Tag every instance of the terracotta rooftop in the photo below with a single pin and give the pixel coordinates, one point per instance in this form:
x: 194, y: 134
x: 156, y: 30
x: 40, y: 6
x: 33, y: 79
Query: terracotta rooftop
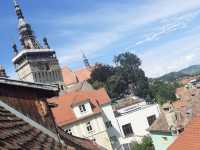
x: 64, y: 113
x: 189, y: 139
x: 83, y: 74
x: 71, y: 77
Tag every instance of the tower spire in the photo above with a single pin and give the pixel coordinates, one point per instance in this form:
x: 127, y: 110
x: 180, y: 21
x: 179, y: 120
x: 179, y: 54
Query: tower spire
x: 85, y: 60
x: 18, y: 10
x: 27, y: 37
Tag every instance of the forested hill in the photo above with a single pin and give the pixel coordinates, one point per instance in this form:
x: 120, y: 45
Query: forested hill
x: 189, y: 71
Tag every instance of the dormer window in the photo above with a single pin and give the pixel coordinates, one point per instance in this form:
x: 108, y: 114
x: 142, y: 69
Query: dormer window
x: 82, y: 108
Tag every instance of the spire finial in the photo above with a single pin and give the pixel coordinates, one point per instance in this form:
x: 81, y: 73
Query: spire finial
x: 46, y: 44
x: 15, y: 2
x: 18, y: 10
x: 85, y: 60
x: 15, y: 50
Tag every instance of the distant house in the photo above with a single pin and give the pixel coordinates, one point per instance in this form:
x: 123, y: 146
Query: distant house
x: 169, y: 125
x: 80, y: 113
x: 26, y: 121
x: 134, y: 116
x: 89, y: 114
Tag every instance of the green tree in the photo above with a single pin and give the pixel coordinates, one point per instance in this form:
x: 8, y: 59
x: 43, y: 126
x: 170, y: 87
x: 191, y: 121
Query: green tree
x: 124, y: 78
x: 163, y: 91
x: 146, y: 144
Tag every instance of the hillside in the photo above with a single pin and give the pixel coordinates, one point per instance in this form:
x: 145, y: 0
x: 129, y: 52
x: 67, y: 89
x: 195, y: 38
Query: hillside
x: 189, y: 71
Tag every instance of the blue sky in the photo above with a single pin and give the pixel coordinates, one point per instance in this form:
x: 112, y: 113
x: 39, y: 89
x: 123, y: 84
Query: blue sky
x: 165, y: 34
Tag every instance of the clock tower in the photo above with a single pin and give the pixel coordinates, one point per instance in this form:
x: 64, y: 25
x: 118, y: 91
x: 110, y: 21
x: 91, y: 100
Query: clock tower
x: 34, y: 62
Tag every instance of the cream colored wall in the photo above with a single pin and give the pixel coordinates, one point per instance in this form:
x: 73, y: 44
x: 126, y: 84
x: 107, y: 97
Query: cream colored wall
x: 80, y: 114
x: 99, y: 132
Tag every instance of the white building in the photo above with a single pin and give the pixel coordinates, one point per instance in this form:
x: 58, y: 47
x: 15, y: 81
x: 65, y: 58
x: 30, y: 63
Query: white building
x: 89, y: 114
x: 133, y: 116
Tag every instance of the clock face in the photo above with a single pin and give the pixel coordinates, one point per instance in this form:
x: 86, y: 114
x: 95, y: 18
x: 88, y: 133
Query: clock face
x: 45, y: 67
x: 41, y: 66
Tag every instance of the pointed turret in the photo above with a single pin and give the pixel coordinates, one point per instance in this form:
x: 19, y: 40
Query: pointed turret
x: 85, y: 60
x: 27, y: 37
x: 15, y: 50
x: 3, y: 72
x: 46, y: 44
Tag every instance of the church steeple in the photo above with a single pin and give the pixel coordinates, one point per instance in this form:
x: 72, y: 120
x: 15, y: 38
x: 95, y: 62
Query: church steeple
x: 85, y: 60
x: 33, y: 62
x: 27, y: 37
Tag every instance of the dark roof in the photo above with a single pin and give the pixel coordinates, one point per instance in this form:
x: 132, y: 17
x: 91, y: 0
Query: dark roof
x: 20, y: 83
x: 160, y: 124
x: 16, y: 133
x: 20, y: 132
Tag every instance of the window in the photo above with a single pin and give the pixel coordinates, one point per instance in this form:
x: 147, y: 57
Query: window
x: 127, y: 129
x: 108, y: 124
x: 151, y: 119
x: 164, y: 138
x: 89, y: 127
x: 82, y: 108
x: 68, y: 131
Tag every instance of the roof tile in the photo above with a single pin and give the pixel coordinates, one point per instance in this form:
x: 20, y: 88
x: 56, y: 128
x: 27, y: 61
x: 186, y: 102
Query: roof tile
x: 64, y: 113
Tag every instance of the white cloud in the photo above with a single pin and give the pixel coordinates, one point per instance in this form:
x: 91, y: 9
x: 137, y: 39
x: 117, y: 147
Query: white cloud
x: 120, y: 20
x: 171, y: 56
x: 169, y: 25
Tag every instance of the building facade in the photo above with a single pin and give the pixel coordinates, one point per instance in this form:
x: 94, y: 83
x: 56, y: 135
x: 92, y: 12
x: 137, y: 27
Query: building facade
x: 134, y: 116
x: 27, y: 121
x: 80, y: 113
x: 89, y: 114
x: 34, y: 62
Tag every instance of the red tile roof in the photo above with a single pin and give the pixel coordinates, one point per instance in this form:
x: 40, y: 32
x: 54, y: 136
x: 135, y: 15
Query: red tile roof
x: 71, y: 77
x: 64, y: 113
x: 83, y: 74
x: 189, y: 139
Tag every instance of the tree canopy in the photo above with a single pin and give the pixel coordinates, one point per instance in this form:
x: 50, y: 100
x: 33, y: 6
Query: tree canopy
x: 126, y: 77
x: 146, y: 144
x: 163, y: 91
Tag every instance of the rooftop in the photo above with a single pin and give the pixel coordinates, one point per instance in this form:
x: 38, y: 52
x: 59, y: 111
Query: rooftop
x: 127, y: 101
x: 19, y: 132
x: 80, y: 75
x: 41, y: 86
x: 189, y: 139
x: 27, y: 51
x: 64, y: 113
